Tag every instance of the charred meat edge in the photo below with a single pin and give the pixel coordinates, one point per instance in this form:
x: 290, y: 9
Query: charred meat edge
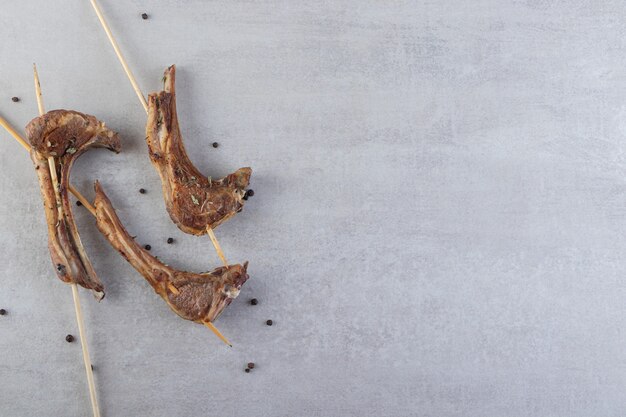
x: 65, y: 135
x: 200, y: 298
x: 193, y: 201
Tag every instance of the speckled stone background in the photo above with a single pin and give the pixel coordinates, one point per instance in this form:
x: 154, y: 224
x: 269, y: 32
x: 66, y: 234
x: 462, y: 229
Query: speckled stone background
x: 438, y: 226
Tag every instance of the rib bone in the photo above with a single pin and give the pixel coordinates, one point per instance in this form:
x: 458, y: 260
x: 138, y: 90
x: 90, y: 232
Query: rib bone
x: 200, y: 297
x: 193, y: 201
x: 65, y: 135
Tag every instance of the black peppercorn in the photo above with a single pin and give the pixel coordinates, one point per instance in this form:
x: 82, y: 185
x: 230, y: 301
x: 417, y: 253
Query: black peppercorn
x: 144, y: 16
x: 254, y: 301
x: 269, y: 322
x: 250, y: 193
x: 247, y: 370
x: 245, y: 196
x: 69, y: 338
x: 170, y: 240
x: 147, y: 247
x: 215, y: 144
x: 142, y: 190
x: 15, y: 99
x: 251, y: 365
x: 2, y: 312
x: 78, y: 203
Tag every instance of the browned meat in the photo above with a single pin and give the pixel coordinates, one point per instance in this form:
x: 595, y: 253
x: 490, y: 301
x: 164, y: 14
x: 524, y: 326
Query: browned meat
x: 199, y: 297
x: 192, y: 200
x: 65, y: 135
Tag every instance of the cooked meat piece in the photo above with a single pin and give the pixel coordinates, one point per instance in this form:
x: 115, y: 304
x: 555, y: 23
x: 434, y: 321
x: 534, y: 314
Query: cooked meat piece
x: 65, y: 135
x: 199, y: 297
x: 192, y: 200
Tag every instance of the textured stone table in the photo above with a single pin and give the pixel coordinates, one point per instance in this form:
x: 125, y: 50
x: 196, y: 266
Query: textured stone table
x: 438, y: 221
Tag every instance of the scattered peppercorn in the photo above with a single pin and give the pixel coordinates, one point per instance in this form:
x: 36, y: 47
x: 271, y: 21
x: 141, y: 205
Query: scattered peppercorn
x: 250, y: 193
x: 147, y: 247
x: 142, y: 190
x: 15, y: 99
x: 251, y: 365
x: 269, y: 322
x: 69, y: 338
x: 2, y: 312
x: 170, y: 240
x: 144, y: 16
x: 245, y: 196
x: 254, y: 301
x: 215, y: 144
x: 78, y: 203
x: 247, y: 370
x: 92, y: 368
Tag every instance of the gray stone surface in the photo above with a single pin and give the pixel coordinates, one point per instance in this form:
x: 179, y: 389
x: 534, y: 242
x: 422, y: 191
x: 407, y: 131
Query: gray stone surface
x: 438, y: 226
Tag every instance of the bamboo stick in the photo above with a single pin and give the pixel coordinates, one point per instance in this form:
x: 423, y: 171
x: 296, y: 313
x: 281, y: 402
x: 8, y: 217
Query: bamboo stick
x: 79, y: 315
x: 86, y: 359
x: 116, y: 48
x: 217, y: 332
x: 38, y: 92
x: 14, y: 133
x: 218, y: 248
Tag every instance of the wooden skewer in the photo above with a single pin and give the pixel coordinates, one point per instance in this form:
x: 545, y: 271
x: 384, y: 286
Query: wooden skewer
x: 14, y: 133
x: 38, y: 91
x: 116, y: 48
x: 79, y: 315
x: 51, y: 164
x: 217, y: 332
x: 218, y: 248
x: 86, y: 359
x: 83, y: 200
x: 92, y: 210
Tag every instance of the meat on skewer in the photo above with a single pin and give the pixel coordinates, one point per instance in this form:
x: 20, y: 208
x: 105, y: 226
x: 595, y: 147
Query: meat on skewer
x: 65, y: 135
x: 200, y: 297
x: 193, y: 201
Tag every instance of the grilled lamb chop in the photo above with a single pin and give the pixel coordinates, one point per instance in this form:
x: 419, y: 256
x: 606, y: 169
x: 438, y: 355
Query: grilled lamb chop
x: 199, y: 297
x: 65, y: 135
x: 193, y: 201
